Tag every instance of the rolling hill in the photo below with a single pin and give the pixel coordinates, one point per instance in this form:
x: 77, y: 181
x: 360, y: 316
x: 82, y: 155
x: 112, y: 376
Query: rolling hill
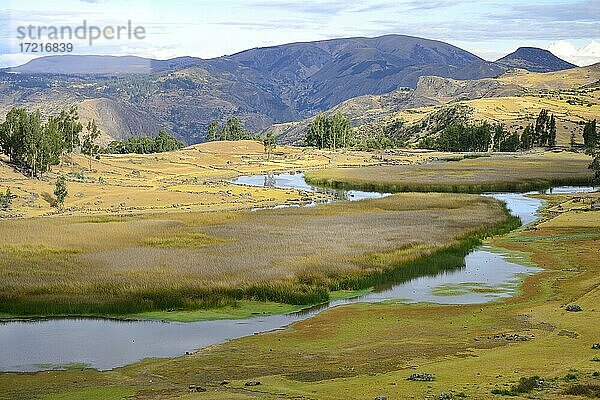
x: 133, y: 96
x: 514, y: 99
x: 534, y: 60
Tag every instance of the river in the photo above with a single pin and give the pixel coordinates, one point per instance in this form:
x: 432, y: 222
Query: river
x: 55, y: 343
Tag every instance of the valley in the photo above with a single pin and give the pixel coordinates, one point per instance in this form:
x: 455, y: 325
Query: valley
x: 383, y: 218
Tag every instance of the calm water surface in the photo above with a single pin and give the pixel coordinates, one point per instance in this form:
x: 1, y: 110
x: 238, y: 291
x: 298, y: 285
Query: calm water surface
x: 105, y: 344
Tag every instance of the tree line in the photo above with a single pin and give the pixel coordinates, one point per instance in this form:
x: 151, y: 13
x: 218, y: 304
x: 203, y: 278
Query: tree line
x: 144, y: 145
x: 329, y: 131
x: 232, y: 129
x: 36, y: 146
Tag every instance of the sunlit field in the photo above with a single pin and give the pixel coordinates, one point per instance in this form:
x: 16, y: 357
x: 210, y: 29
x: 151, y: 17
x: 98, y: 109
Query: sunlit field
x: 517, y: 173
x: 369, y: 350
x: 80, y: 265
x: 193, y: 179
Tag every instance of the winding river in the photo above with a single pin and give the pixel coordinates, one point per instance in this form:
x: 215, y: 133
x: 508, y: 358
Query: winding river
x: 33, y: 345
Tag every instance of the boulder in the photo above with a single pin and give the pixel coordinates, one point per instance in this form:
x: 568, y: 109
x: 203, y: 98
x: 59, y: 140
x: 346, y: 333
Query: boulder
x: 252, y: 383
x: 573, y: 308
x: 445, y: 396
x: 421, y: 377
x: 596, y: 346
x: 196, y: 388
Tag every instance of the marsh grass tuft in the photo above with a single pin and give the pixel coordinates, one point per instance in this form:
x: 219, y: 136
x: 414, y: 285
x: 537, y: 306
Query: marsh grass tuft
x: 183, y: 241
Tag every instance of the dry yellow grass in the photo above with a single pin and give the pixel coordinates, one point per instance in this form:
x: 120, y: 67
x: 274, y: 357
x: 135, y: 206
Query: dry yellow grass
x: 567, y: 79
x: 519, y: 172
x: 367, y: 350
x: 195, y: 178
x: 78, y: 261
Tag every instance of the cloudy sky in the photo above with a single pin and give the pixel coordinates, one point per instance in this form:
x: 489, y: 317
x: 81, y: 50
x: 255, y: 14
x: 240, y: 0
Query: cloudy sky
x: 490, y: 29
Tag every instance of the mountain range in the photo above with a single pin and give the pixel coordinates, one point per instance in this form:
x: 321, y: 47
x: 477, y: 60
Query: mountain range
x: 134, y: 96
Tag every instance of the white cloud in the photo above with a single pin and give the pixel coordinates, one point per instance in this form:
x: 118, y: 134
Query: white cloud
x: 586, y: 55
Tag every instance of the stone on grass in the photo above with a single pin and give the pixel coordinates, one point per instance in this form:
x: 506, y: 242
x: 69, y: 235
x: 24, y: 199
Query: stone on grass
x: 445, y: 396
x: 252, y: 383
x: 421, y: 377
x: 573, y: 308
x: 596, y: 346
x: 196, y: 388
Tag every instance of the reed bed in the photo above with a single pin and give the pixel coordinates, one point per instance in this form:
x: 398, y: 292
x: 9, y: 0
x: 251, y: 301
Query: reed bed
x: 89, y: 266
x: 472, y: 175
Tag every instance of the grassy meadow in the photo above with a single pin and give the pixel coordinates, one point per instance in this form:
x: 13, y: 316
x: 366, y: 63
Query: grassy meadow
x: 369, y: 350
x: 192, y: 179
x: 512, y: 173
x: 194, y: 260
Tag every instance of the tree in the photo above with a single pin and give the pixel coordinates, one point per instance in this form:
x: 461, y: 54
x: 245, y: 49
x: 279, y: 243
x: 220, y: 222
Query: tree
x: 233, y: 130
x: 60, y: 191
x: 590, y: 136
x: 329, y: 131
x: 269, y: 143
x: 595, y: 166
x: 70, y: 128
x: 499, y: 136
x: 89, y: 146
x: 164, y: 142
x: 511, y: 143
x: 552, y: 131
x: 540, y: 133
x: 213, y: 130
x: 527, y: 139
x: 6, y: 200
x: 11, y: 134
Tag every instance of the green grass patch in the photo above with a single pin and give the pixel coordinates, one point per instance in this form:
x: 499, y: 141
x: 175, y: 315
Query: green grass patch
x: 240, y: 310
x: 94, y: 393
x: 458, y: 289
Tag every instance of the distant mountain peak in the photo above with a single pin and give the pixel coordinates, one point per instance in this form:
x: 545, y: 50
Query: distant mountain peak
x: 534, y: 59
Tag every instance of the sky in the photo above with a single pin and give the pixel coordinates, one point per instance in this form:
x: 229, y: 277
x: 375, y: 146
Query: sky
x: 172, y: 28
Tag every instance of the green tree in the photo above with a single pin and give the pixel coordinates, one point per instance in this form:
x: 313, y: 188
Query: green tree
x: 527, y: 139
x: 89, y: 146
x: 552, y: 131
x: 213, y: 131
x: 511, y: 143
x: 60, y: 191
x: 164, y: 142
x: 540, y: 133
x: 590, y: 136
x: 499, y: 136
x: 70, y: 129
x: 12, y: 134
x: 595, y: 166
x: 233, y: 129
x: 329, y: 131
x: 269, y: 143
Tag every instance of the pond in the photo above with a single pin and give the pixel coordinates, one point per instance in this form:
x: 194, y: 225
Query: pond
x: 488, y: 274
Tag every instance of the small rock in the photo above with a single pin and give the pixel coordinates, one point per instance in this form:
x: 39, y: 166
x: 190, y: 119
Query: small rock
x: 445, y: 396
x: 573, y: 308
x: 224, y: 383
x: 252, y: 383
x: 421, y: 377
x: 196, y: 388
x: 596, y: 346
x: 380, y: 398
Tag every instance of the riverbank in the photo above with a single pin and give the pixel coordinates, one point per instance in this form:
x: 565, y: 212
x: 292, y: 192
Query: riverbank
x: 498, y: 173
x: 73, y: 266
x: 369, y: 350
